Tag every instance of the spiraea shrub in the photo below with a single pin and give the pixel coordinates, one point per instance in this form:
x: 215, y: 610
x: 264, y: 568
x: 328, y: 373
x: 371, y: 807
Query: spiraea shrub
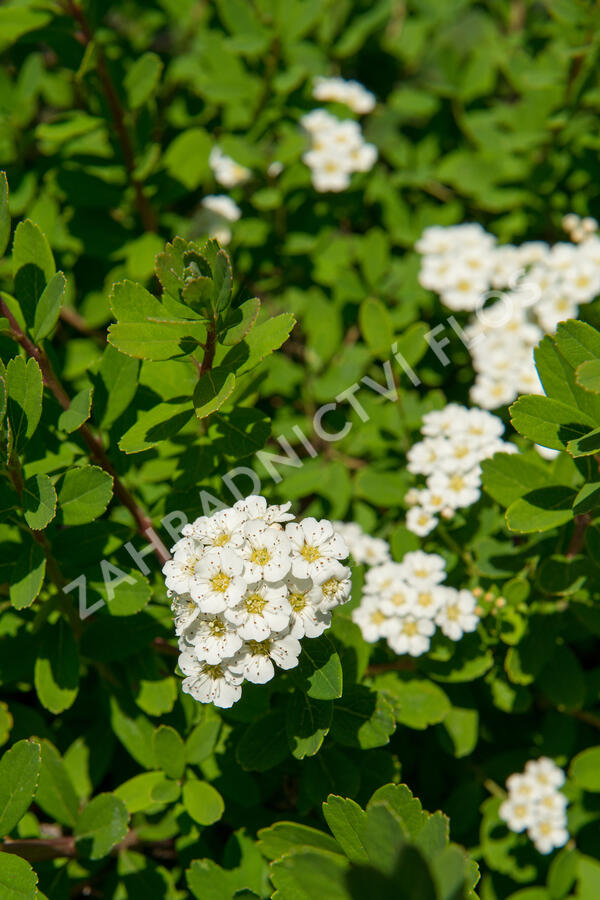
x: 299, y: 450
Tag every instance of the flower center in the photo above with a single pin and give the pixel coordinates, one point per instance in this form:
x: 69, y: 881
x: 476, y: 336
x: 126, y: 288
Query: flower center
x: 221, y: 539
x: 330, y: 587
x: 410, y: 629
x: 421, y: 573
x: 255, y: 604
x: 425, y: 599
x: 310, y: 553
x: 260, y: 556
x: 456, y: 483
x: 213, y: 672
x: 452, y: 612
x: 220, y: 582
x: 217, y: 628
x: 260, y: 648
x: 377, y: 617
x: 298, y: 601
x: 521, y: 810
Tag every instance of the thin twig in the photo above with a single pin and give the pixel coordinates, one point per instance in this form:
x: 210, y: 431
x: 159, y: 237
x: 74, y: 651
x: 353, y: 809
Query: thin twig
x: 85, y: 36
x: 143, y: 521
x: 398, y: 665
x: 64, y: 847
x: 578, y: 536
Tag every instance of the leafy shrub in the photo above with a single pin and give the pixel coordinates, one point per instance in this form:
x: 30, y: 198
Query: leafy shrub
x: 150, y: 377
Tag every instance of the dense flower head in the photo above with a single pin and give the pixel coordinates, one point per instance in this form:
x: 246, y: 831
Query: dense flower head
x: 337, y: 150
x: 406, y: 602
x: 340, y: 90
x: 455, y: 441
x: 517, y: 293
x: 218, y: 211
x: 246, y: 584
x: 535, y: 804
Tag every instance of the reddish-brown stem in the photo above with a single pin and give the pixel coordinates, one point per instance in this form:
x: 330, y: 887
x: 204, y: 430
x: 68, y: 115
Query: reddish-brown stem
x: 578, y: 537
x: 398, y: 665
x: 209, y: 350
x: 42, y: 849
x: 97, y: 451
x: 85, y: 37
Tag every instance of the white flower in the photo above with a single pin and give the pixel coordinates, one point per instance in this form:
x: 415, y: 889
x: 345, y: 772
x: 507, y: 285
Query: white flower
x: 227, y: 171
x: 310, y: 617
x: 370, y: 619
x: 331, y: 585
x: 263, y: 609
x: 412, y: 637
x: 351, y: 93
x: 457, y: 615
x: 423, y: 570
x: 223, y: 206
x: 255, y: 507
x: 313, y: 545
x: 216, y: 684
x: 179, y: 571
x: 400, y: 599
x: 217, y: 581
x: 257, y: 657
x: 459, y: 489
x: 546, y: 775
x: 518, y: 814
x: 223, y: 528
x: 185, y: 611
x: 548, y: 833
x: 266, y: 552
x: 213, y: 638
x: 429, y: 601
x: 420, y: 521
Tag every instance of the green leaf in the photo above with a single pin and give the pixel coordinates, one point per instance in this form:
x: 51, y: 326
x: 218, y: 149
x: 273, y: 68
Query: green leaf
x: 101, y: 825
x: 562, y: 680
x: 186, y: 157
x: 84, y: 494
x: 417, y: 703
x: 506, y: 477
x: 15, y: 21
x: 78, y: 412
x: 24, y: 392
x: 557, y: 375
x: 347, y: 822
x: 6, y: 722
x: 588, y: 498
x: 307, y: 874
x: 28, y: 574
x: 33, y: 267
x: 258, y: 343
x: 138, y: 793
x: 376, y: 327
x: 17, y: 879
x: 549, y: 422
x: 362, y: 718
x: 239, y: 321
x: 541, y: 510
x: 169, y: 751
x: 586, y: 445
x: 307, y: 723
x: 19, y: 776
x: 39, y: 501
x: 48, y: 307
x: 115, y: 387
x: 56, y: 794
x: 462, y: 727
x: 160, y: 423
x: 212, y: 390
x: 202, y: 802
x: 56, y: 673
x: 319, y: 670
x: 142, y: 79
x: 588, y: 375
x: 222, y: 282
x: 4, y: 214
x: 134, y: 731
x: 282, y: 837
x: 253, y: 753
x: 577, y: 341
x: 585, y: 769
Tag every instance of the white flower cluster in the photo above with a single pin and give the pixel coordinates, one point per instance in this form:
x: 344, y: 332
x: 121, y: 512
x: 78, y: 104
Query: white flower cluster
x: 535, y: 804
x: 516, y: 292
x: 404, y: 602
x: 337, y: 150
x: 246, y: 584
x: 361, y: 546
x: 226, y: 170
x: 340, y: 90
x: 455, y: 441
x: 220, y: 210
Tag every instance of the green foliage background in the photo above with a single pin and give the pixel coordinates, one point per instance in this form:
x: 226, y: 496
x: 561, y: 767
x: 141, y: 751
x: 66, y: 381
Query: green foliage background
x: 486, y: 112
